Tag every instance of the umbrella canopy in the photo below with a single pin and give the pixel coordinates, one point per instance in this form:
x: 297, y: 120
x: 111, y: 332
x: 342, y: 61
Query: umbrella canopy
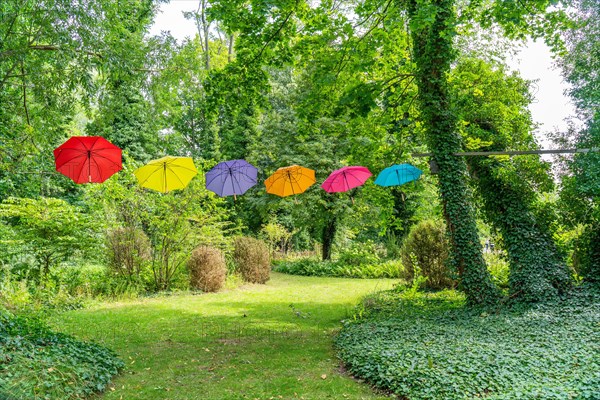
x: 290, y: 180
x: 346, y: 178
x: 232, y: 177
x: 397, y: 175
x: 87, y: 159
x: 166, y: 174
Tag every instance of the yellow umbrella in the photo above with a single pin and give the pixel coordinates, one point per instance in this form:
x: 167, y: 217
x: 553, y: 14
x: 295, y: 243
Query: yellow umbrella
x: 290, y: 180
x: 166, y: 174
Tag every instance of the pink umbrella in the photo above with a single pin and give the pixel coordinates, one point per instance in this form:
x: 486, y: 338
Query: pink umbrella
x: 346, y: 178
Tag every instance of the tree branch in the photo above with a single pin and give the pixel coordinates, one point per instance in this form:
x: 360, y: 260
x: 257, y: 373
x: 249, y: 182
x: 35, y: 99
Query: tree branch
x: 25, y: 94
x: 340, y: 64
x: 7, y: 76
x: 270, y: 39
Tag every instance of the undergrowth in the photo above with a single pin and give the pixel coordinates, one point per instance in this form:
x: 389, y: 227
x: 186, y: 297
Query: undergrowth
x: 36, y: 363
x: 430, y: 346
x: 339, y: 269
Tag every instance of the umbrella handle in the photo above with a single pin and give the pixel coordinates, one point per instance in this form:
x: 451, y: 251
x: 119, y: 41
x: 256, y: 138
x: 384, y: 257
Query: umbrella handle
x: 165, y: 173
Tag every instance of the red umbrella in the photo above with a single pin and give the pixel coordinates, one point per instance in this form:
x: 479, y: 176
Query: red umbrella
x: 346, y: 178
x: 88, y: 159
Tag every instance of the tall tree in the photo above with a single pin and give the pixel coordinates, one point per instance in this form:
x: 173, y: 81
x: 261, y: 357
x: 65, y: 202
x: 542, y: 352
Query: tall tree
x: 125, y: 115
x: 580, y: 193
x: 51, y: 56
x: 493, y: 116
x: 432, y: 29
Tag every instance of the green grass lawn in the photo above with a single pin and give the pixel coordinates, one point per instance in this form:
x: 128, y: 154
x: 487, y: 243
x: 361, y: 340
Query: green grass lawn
x: 254, y: 342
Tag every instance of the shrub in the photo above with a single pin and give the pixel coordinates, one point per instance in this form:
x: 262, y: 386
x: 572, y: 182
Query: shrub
x: 316, y: 267
x: 26, y: 296
x: 50, y: 229
x: 128, y: 250
x: 252, y: 259
x: 499, y: 269
x: 359, y: 254
x: 277, y: 237
x: 208, y: 270
x: 426, y: 249
x: 306, y: 267
x: 175, y: 224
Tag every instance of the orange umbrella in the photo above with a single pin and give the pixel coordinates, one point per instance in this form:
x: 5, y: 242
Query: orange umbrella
x: 290, y: 180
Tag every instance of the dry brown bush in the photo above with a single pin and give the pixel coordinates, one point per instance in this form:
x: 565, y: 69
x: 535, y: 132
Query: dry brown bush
x: 208, y: 270
x: 128, y: 250
x: 252, y: 259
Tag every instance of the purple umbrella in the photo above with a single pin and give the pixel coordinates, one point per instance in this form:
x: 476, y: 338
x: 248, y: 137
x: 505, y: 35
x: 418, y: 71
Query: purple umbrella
x: 232, y: 177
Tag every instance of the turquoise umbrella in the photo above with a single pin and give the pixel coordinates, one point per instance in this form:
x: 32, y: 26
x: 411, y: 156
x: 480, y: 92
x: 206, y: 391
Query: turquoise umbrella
x: 397, y: 175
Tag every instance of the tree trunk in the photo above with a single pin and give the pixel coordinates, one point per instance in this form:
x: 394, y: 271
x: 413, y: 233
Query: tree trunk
x: 328, y: 235
x: 230, y: 47
x: 536, y: 269
x: 206, y: 29
x: 433, y: 54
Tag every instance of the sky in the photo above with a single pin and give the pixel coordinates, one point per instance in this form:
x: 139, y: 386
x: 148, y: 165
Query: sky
x: 534, y: 62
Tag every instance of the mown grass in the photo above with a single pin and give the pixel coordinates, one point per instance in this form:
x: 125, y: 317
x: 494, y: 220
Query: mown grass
x: 253, y: 342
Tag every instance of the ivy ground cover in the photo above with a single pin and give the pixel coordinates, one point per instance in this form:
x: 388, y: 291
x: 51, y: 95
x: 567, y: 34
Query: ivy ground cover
x: 255, y: 341
x: 429, y: 346
x: 37, y: 363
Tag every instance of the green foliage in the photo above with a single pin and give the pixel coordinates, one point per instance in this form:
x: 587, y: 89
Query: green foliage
x: 314, y: 267
x: 277, y: 237
x: 586, y: 257
x: 128, y: 251
x: 53, y: 64
x: 175, y: 223
x: 537, y: 270
x: 50, y: 229
x: 429, y: 346
x: 492, y: 108
x: 579, y: 205
x: 359, y: 254
x: 433, y: 27
x: 68, y: 287
x: 208, y: 270
x: 37, y: 363
x: 24, y: 297
x: 425, y: 250
x: 582, y: 59
x: 499, y: 268
x: 252, y: 259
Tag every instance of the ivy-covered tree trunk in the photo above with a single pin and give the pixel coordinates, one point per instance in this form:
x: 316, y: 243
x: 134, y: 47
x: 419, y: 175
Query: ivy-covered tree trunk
x: 432, y: 26
x: 536, y: 269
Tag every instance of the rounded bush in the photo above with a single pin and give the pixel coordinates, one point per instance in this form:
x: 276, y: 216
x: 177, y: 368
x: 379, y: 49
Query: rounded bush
x: 208, y: 270
x: 252, y: 259
x: 425, y: 249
